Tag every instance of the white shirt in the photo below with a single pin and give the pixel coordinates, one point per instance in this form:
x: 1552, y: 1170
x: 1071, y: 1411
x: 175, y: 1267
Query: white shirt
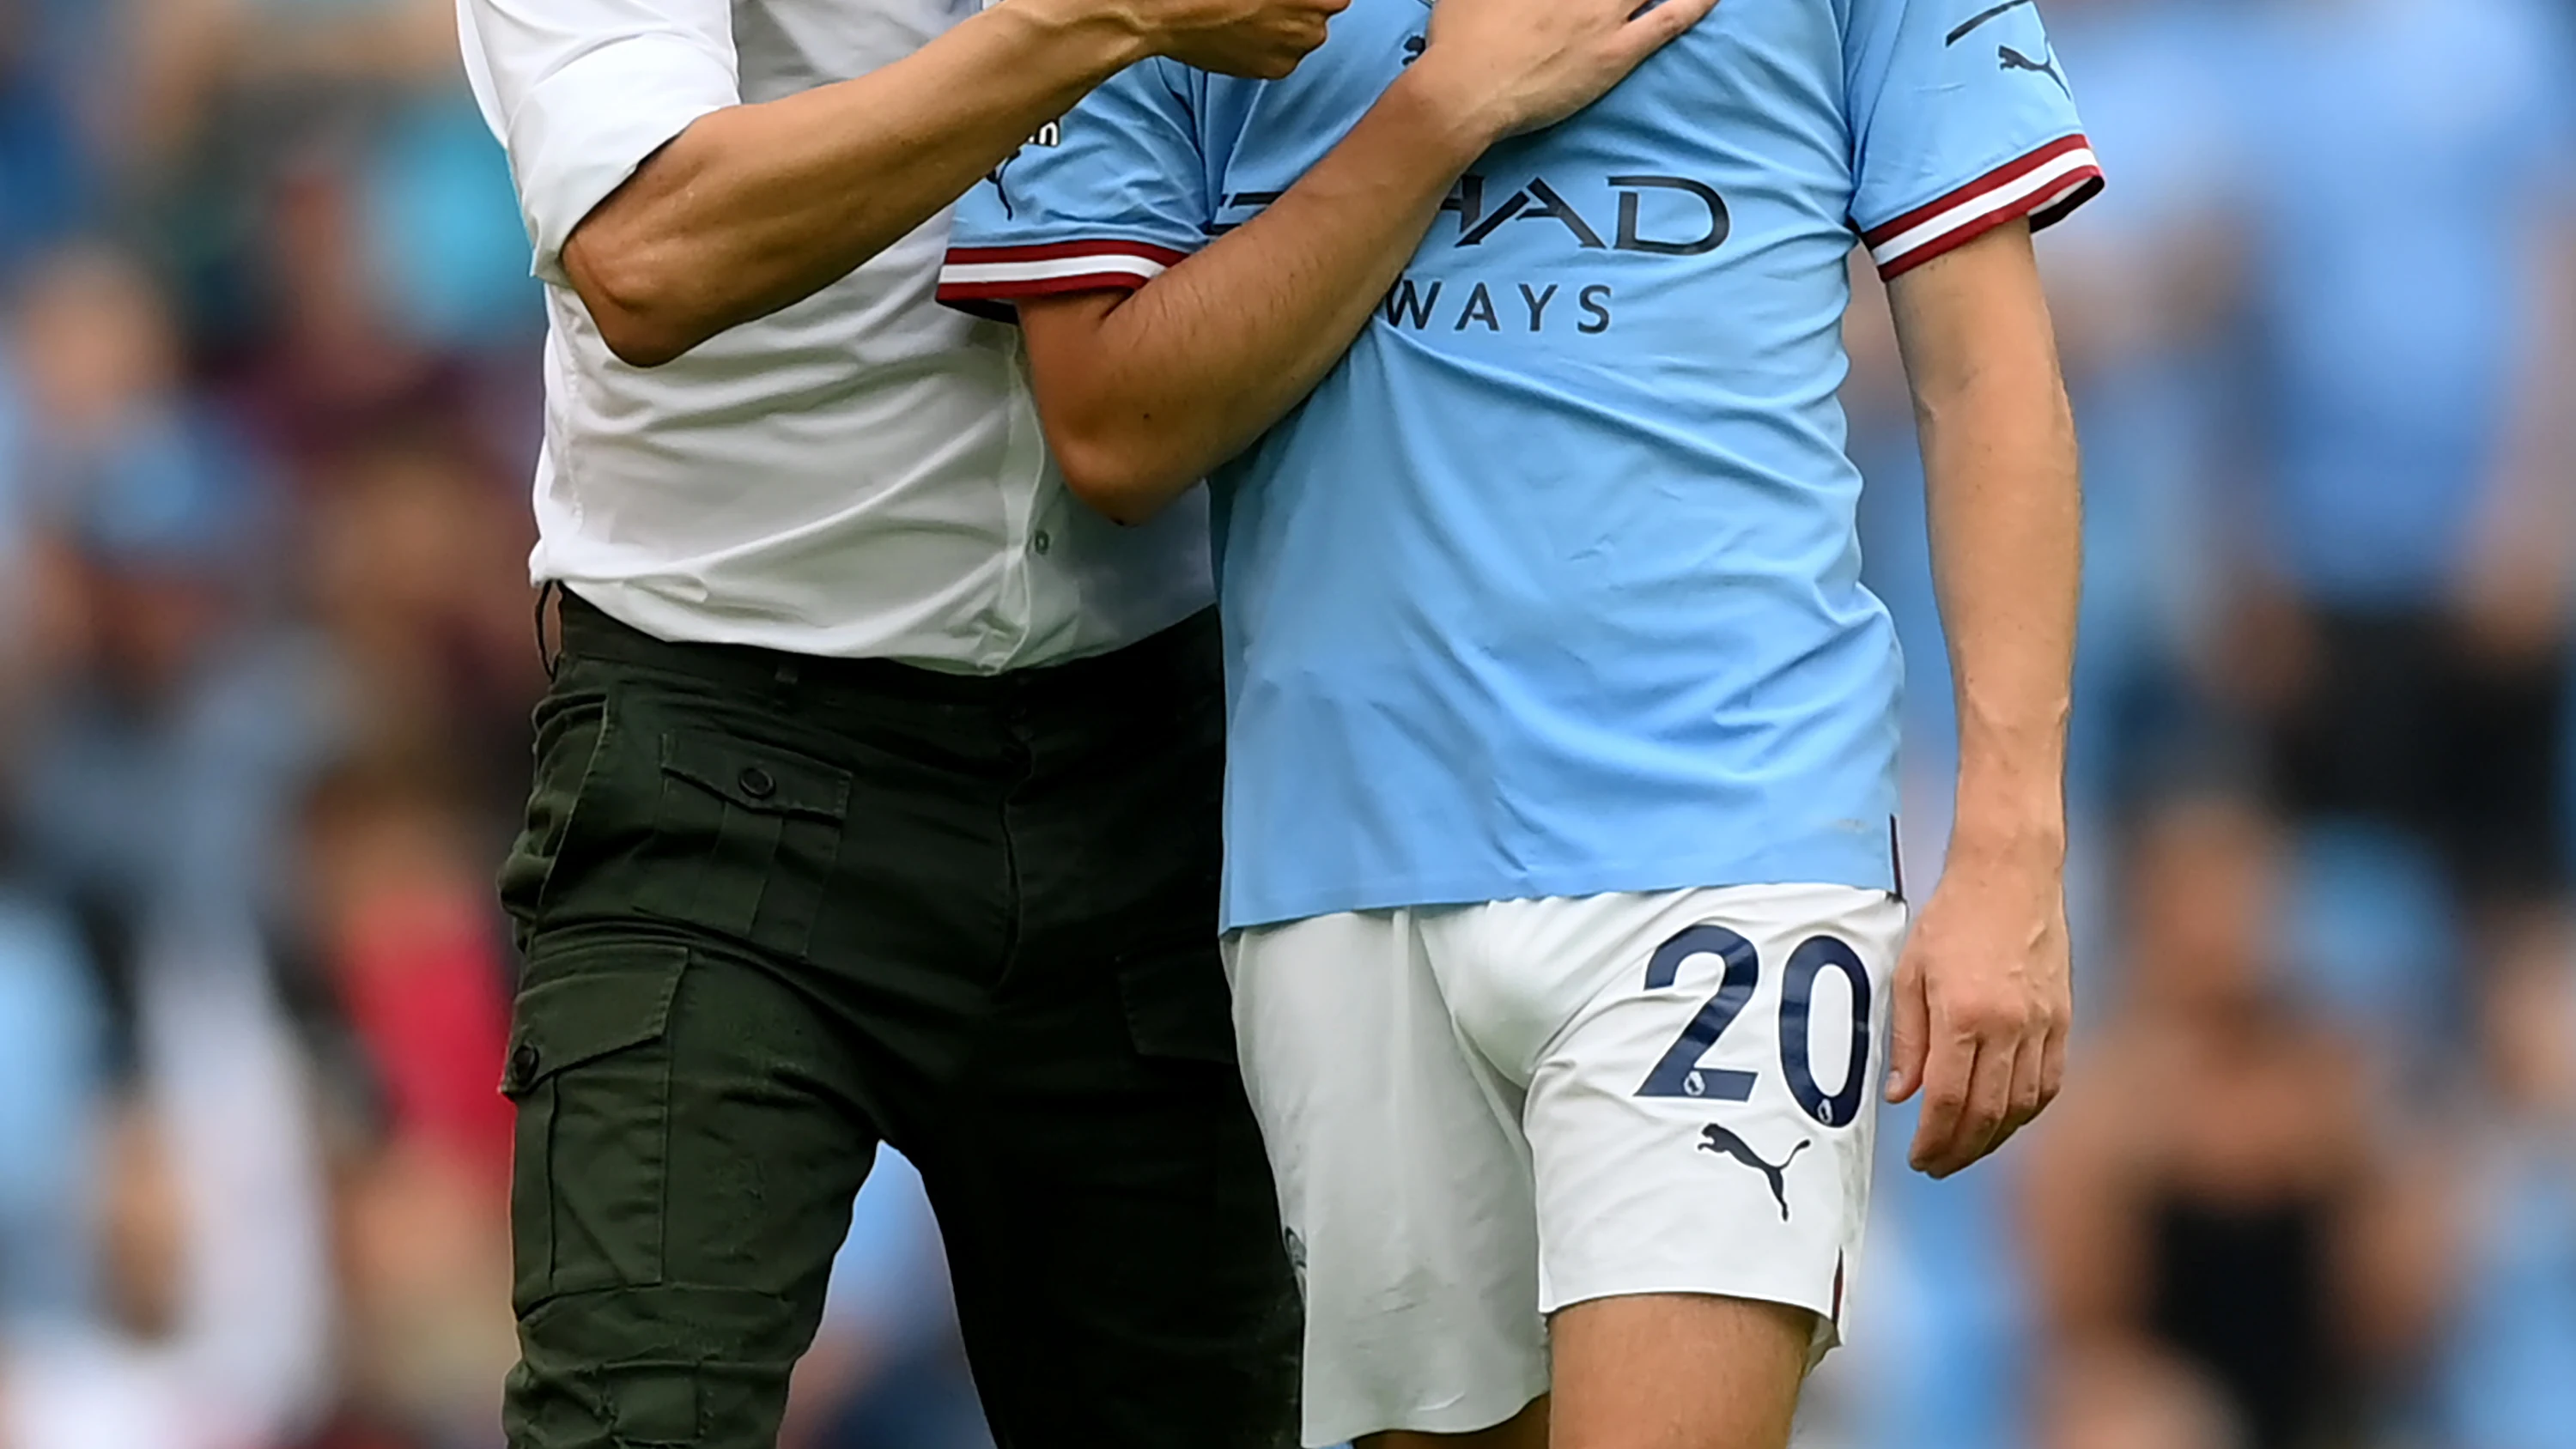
x: 859, y: 475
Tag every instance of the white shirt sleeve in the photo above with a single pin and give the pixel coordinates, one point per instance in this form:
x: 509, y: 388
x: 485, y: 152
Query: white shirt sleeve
x: 580, y: 92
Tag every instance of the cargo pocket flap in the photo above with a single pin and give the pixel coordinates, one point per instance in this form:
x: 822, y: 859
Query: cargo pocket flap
x: 770, y: 781
x: 617, y: 998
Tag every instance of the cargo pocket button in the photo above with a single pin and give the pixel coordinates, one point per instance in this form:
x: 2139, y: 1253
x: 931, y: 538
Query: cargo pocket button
x: 524, y: 1061
x: 757, y: 784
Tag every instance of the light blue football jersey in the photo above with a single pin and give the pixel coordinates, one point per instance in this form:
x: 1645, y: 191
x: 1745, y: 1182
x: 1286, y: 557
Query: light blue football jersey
x: 1552, y: 587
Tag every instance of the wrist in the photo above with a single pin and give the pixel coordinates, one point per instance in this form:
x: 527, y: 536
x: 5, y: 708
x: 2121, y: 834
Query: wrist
x: 1108, y: 35
x: 2026, y: 827
x: 1449, y: 109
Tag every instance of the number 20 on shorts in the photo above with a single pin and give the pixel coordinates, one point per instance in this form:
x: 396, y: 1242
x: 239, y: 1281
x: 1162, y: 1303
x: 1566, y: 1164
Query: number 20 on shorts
x: 1679, y: 1073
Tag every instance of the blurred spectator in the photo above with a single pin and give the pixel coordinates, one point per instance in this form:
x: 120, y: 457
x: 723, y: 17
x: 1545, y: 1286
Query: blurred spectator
x: 2142, y: 299
x: 326, y: 373
x: 224, y: 1074
x: 225, y: 96
x: 418, y: 578
x: 162, y: 759
x: 100, y: 370
x: 410, y: 948
x: 413, y: 948
x: 43, y: 179
x: 2134, y: 1398
x: 51, y: 1075
x: 2222, y: 1184
x: 2411, y: 194
x: 2130, y: 1397
x: 2505, y: 1380
x: 297, y: 65
x: 212, y: 1329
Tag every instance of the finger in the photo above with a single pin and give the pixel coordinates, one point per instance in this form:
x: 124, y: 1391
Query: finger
x: 1989, y: 1098
x: 2029, y: 1057
x: 1949, y: 1075
x: 1675, y: 16
x: 1980, y: 1092
x: 1650, y: 30
x: 1910, y: 1035
x: 2052, y: 1063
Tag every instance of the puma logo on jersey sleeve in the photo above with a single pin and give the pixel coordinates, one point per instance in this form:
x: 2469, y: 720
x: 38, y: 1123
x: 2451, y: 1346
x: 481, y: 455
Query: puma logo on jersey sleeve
x: 2011, y: 59
x: 2006, y: 57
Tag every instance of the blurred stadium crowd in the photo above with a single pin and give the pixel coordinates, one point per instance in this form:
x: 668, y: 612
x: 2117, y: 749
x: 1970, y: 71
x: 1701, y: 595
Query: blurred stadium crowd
x: 269, y: 392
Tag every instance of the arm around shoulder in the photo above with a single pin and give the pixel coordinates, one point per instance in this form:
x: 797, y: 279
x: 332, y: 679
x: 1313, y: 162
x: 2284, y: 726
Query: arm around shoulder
x: 753, y: 208
x: 689, y: 212
x: 1142, y: 392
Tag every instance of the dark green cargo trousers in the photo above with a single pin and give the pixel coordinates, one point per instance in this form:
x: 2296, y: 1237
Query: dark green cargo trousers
x: 776, y: 910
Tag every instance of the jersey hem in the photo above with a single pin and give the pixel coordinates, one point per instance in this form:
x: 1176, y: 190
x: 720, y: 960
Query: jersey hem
x: 2045, y: 185
x: 983, y: 280
x: 1827, y: 862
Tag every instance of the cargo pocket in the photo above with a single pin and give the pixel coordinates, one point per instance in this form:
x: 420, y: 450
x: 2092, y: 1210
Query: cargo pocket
x: 758, y: 832
x: 590, y: 1071
x: 573, y: 738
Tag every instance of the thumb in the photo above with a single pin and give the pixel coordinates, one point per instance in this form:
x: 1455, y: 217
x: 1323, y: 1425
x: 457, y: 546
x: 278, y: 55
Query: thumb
x: 1911, y: 1038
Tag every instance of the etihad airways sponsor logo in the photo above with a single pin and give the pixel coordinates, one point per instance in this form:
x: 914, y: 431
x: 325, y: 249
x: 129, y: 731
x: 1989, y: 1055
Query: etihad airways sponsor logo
x: 1665, y: 216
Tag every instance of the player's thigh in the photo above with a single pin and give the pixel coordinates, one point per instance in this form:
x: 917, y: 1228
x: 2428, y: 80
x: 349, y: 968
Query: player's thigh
x: 1678, y: 1372
x: 1404, y: 1181
x: 686, y: 1156
x: 1112, y: 1232
x: 1702, y: 1086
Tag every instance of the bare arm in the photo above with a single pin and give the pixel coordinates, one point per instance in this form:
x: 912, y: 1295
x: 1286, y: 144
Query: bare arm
x: 756, y: 207
x: 1142, y: 393
x: 1983, y: 996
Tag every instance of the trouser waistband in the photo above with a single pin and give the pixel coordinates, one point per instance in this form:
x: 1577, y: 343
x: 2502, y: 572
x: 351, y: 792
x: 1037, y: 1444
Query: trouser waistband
x: 1186, y: 650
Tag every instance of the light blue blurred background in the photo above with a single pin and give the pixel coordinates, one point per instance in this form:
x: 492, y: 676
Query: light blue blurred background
x: 269, y: 398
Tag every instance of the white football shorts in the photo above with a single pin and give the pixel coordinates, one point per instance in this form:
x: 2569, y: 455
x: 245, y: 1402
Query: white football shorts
x: 1478, y: 1115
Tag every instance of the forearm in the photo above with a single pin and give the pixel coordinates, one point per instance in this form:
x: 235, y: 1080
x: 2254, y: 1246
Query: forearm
x: 756, y: 207
x: 2005, y: 505
x: 2005, y: 527
x: 1142, y: 395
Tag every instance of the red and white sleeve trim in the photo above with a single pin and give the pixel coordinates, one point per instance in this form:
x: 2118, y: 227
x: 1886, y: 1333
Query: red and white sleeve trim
x: 1000, y: 274
x: 2045, y: 186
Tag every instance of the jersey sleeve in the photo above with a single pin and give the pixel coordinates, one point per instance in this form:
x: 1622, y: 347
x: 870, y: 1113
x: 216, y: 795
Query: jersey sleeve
x: 1107, y: 198
x: 1962, y: 120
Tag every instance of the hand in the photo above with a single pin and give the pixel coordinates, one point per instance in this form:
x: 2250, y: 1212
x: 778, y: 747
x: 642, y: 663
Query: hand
x: 1984, y: 998
x: 1255, y: 39
x: 1521, y: 65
